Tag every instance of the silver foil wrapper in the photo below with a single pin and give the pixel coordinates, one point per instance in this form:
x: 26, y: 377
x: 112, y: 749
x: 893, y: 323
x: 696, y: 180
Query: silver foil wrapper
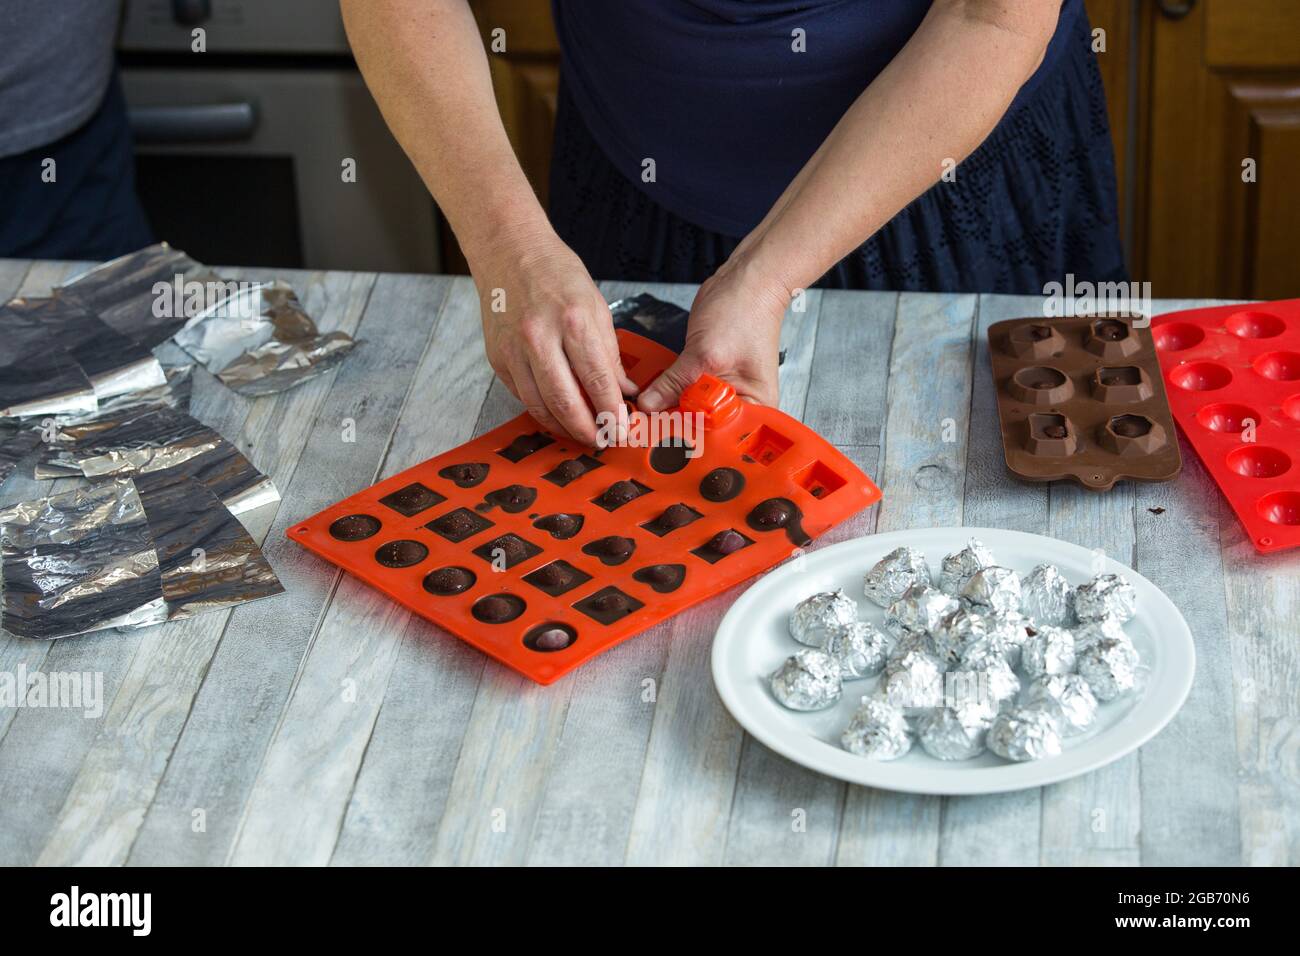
x: 16, y: 444
x: 1110, y: 668
x: 1046, y: 597
x: 1049, y: 650
x: 877, y: 730
x: 993, y: 589
x: 815, y: 617
x: 810, y: 680
x: 918, y: 611
x: 261, y: 341
x: 1091, y: 632
x: 1067, y: 697
x: 958, y: 567
x: 1024, y: 734
x: 947, y: 734
x: 77, y: 562
x: 860, y: 649
x: 913, y: 682
x: 982, y: 683
x: 957, y: 632
x: 1007, y: 634
x: 893, y: 574
x: 46, y: 383
x: 1106, y: 595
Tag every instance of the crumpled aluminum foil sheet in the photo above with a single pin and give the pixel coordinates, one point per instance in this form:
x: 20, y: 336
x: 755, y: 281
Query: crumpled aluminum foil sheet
x: 121, y: 292
x: 207, y: 560
x: 77, y: 562
x: 114, y: 363
x: 15, y: 445
x: 49, y: 382
x: 261, y: 341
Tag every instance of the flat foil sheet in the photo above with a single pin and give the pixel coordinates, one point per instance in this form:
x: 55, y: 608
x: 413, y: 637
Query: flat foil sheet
x: 261, y: 341
x: 15, y: 445
x: 207, y: 560
x: 48, y: 382
x: 77, y: 562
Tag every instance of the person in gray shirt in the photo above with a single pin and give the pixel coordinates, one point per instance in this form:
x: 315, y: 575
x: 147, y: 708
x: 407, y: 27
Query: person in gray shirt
x: 67, y: 177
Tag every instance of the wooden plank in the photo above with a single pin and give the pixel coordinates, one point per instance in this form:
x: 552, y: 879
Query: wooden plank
x: 298, y: 801
x: 234, y: 715
x: 922, y: 476
x: 853, y: 344
x: 118, y: 778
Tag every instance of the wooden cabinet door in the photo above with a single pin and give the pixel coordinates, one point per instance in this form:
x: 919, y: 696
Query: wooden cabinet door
x: 1222, y: 200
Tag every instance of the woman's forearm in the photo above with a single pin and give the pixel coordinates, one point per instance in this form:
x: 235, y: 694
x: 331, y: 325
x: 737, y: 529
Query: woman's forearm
x: 425, y: 65
x: 936, y: 101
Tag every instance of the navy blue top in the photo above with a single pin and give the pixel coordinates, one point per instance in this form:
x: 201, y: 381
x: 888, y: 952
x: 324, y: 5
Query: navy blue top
x: 715, y: 94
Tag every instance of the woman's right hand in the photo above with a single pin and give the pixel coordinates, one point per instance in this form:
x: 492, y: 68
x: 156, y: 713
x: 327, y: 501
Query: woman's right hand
x: 550, y: 337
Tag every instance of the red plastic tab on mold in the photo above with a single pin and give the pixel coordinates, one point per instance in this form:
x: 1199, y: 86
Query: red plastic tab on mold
x: 1234, y: 386
x: 543, y: 554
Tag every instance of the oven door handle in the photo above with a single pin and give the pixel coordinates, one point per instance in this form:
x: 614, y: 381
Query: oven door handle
x: 214, y: 123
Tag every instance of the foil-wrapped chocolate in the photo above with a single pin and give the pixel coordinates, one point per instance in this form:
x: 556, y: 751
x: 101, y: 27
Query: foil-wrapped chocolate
x: 1024, y: 734
x: 1007, y: 634
x: 893, y: 574
x: 1067, y: 697
x: 958, y: 567
x: 913, y: 682
x: 1046, y: 597
x: 77, y: 562
x: 957, y: 632
x: 1049, y: 650
x: 1106, y: 595
x: 261, y: 340
x: 809, y: 680
x: 877, y: 730
x: 1109, y: 667
x: 983, y: 679
x: 993, y: 589
x: 1090, y: 632
x: 947, y: 735
x: 860, y: 649
x: 919, y: 610
x: 815, y: 617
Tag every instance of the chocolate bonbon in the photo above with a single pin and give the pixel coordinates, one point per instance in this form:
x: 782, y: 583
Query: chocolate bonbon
x: 561, y: 526
x: 571, y: 469
x: 511, y: 499
x: 722, y: 544
x: 620, y: 493
x: 466, y: 474
x: 808, y: 680
x: 401, y: 554
x: 893, y: 574
x: 877, y: 730
x: 663, y: 578
x: 524, y: 445
x: 498, y: 608
x: 611, y: 550
x: 671, y: 518
x: 1024, y: 734
x: 354, y: 527
x: 450, y: 580
x: 721, y: 484
x: 817, y: 615
x: 550, y: 637
x: 412, y: 499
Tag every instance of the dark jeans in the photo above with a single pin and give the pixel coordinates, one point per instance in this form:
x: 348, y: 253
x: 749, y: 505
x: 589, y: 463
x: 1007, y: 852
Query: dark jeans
x: 90, y: 210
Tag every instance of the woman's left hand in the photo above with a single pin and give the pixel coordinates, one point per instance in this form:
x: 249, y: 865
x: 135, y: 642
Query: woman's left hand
x: 734, y: 334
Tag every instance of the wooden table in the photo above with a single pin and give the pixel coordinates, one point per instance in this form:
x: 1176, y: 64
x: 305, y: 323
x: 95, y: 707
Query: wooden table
x: 328, y: 725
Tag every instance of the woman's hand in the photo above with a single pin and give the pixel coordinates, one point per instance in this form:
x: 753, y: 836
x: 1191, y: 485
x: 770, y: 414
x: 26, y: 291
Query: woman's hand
x: 734, y: 334
x: 549, y: 335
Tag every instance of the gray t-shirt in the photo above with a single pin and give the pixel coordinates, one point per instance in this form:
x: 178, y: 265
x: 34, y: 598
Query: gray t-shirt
x: 56, y: 57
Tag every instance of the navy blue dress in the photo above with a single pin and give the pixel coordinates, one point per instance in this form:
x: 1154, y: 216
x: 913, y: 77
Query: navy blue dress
x: 728, y: 128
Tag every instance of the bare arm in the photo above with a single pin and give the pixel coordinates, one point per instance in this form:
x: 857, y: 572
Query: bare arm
x: 938, y: 99
x: 425, y: 64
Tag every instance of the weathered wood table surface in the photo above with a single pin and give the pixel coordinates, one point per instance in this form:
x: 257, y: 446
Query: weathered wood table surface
x: 328, y: 725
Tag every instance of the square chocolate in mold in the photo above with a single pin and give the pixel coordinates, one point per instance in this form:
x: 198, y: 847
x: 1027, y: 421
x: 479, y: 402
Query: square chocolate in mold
x: 557, y: 578
x: 571, y: 469
x: 620, y: 493
x: 458, y: 525
x: 722, y: 544
x: 608, y: 605
x: 525, y: 445
x: 511, y: 547
x: 412, y: 499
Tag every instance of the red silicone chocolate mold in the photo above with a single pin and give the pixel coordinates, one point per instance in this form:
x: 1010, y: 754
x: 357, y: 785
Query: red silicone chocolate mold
x: 1234, y: 387
x: 543, y: 554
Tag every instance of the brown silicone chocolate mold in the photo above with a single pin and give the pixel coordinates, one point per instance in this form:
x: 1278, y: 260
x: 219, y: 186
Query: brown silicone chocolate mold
x: 1083, y: 398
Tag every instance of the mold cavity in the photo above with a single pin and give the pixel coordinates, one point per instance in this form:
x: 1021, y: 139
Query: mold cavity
x: 1226, y: 417
x: 525, y: 445
x: 1038, y: 332
x: 1177, y: 336
x: 673, y: 517
x: 722, y: 544
x: 1281, y: 507
x: 611, y: 550
x: 401, y: 554
x: 465, y: 475
x: 557, y: 577
x: 1040, y: 378
x: 560, y: 526
x: 663, y: 578
x: 608, y: 605
x: 447, y: 581
x: 620, y: 493
x: 670, y: 457
x: 458, y: 525
x: 721, y: 484
x: 1123, y: 375
x: 549, y: 637
x: 1053, y: 427
x: 629, y: 361
x: 511, y: 499
x: 498, y: 608
x: 818, y: 480
x: 508, y: 550
x: 1130, y: 426
x: 1110, y: 330
x: 412, y: 499
x: 1200, y: 376
x: 765, y: 445
x: 354, y: 527
x: 1255, y: 325
x: 1291, y: 407
x: 1279, y: 366
x: 1258, y: 461
x: 571, y: 469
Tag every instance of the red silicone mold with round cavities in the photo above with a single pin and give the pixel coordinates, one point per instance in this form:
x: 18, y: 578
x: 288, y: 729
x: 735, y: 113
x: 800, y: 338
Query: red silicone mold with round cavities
x: 1233, y: 376
x: 426, y: 521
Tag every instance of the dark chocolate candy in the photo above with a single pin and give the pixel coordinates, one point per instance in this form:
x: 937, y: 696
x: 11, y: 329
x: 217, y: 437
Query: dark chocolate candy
x: 401, y: 554
x: 1111, y: 330
x: 498, y: 608
x: 673, y: 517
x: 670, y: 459
x: 1130, y: 426
x: 571, y: 469
x: 551, y: 636
x: 557, y: 577
x: 720, y: 545
x: 449, y: 580
x: 354, y: 527
x: 560, y: 526
x: 1055, y: 431
x: 1040, y: 332
x: 662, y: 577
x: 608, y: 605
x: 722, y: 484
x: 466, y: 475
x: 412, y: 499
x: 525, y: 445
x: 511, y: 499
x: 458, y: 525
x: 508, y: 548
x: 620, y: 493
x: 611, y: 550
x: 777, y: 513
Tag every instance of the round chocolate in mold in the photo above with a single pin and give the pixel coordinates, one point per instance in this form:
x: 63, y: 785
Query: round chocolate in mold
x: 663, y: 578
x: 1200, y: 376
x: 355, y: 527
x: 780, y: 513
x: 498, y: 608
x: 511, y: 499
x: 1258, y: 461
x: 670, y: 459
x: 721, y: 484
x: 1040, y: 385
x: 465, y: 475
x: 401, y: 554
x: 550, y: 637
x: 449, y: 580
x: 610, y: 550
x: 560, y: 526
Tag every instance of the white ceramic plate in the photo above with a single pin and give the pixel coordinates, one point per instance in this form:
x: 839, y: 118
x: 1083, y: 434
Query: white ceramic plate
x: 754, y: 639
